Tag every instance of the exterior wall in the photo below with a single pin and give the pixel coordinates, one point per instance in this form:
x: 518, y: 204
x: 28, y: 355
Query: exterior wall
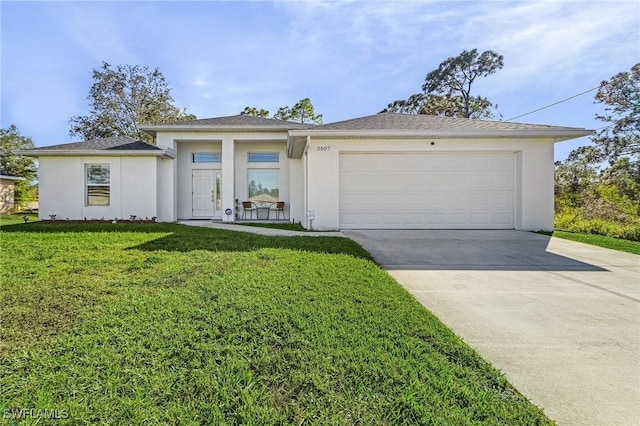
x: 7, y: 196
x: 537, y: 187
x: 166, y: 190
x: 138, y: 187
x: 233, y: 146
x: 296, y: 187
x: 132, y: 188
x: 60, y: 187
x: 167, y: 181
x: 534, y: 174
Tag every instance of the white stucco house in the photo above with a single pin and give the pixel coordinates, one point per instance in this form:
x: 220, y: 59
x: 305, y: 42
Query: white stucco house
x: 387, y: 171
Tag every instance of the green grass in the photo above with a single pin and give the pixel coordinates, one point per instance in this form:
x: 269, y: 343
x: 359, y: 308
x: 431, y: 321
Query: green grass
x: 170, y: 324
x: 601, y: 241
x: 12, y: 219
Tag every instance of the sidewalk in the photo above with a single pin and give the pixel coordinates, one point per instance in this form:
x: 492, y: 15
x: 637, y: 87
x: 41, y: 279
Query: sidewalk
x: 259, y: 230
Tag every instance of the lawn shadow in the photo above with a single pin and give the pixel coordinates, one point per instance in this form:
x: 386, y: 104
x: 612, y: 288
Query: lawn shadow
x: 222, y: 240
x: 183, y: 238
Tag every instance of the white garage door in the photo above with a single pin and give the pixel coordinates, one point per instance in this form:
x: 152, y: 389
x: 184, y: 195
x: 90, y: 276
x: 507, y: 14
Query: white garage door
x: 465, y: 190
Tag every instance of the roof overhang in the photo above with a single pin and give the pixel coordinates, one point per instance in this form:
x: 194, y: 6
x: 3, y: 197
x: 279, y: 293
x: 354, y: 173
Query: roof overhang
x: 169, y: 153
x: 297, y: 140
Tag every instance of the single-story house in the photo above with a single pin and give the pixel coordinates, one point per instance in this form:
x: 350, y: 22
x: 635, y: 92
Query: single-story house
x: 387, y: 171
x: 7, y: 194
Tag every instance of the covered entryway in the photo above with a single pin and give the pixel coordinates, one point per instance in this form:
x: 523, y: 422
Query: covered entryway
x: 206, y: 186
x: 420, y: 190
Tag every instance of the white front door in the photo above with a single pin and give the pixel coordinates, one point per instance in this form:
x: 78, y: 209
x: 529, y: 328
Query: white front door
x: 206, y: 197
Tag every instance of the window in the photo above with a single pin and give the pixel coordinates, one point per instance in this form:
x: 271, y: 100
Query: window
x: 263, y: 157
x: 98, y: 186
x: 206, y: 157
x: 263, y: 185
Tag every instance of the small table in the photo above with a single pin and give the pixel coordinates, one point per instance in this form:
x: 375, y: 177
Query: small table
x: 262, y: 211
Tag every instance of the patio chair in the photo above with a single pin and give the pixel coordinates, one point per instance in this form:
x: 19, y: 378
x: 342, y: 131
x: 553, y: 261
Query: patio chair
x: 248, y: 206
x: 279, y: 208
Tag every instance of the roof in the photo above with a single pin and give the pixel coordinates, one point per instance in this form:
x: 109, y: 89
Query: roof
x: 409, y: 122
x: 118, y: 145
x: 395, y: 125
x: 117, y: 142
x: 228, y: 123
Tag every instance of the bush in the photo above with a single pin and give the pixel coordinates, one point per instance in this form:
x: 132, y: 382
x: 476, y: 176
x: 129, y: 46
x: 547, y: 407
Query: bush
x: 572, y: 220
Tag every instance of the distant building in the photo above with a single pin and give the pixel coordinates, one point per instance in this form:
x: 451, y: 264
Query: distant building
x: 7, y: 194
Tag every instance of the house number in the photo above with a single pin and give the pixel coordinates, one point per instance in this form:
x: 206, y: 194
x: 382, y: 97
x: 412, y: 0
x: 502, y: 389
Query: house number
x: 323, y: 147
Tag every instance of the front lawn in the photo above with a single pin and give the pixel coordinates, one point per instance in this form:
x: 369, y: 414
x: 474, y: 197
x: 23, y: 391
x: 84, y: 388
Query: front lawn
x: 170, y: 324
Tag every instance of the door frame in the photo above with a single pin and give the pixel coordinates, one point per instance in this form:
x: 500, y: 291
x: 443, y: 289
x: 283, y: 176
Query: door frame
x: 216, y: 193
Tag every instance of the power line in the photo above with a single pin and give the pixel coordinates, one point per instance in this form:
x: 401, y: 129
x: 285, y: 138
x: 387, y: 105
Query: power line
x: 556, y: 103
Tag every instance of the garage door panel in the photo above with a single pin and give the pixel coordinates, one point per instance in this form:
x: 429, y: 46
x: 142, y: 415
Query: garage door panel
x: 502, y: 181
x: 427, y: 190
x: 502, y: 219
x: 480, y: 218
x: 503, y: 162
x: 502, y: 201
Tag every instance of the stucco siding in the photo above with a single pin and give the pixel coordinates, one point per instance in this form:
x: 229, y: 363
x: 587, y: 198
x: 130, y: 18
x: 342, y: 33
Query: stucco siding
x: 537, y: 186
x: 60, y: 188
x: 296, y: 188
x: 139, y: 193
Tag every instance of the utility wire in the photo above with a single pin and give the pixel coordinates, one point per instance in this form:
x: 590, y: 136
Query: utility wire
x: 555, y: 103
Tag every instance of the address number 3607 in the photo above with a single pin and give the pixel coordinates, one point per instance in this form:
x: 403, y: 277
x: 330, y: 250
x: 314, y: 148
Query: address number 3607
x: 323, y: 147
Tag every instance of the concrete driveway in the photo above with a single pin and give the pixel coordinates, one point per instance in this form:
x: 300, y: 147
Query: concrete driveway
x: 560, y: 319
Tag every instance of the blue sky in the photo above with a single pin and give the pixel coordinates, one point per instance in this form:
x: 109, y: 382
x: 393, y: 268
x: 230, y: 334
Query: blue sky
x: 350, y: 58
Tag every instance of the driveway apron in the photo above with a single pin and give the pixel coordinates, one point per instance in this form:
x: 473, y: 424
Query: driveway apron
x: 560, y: 319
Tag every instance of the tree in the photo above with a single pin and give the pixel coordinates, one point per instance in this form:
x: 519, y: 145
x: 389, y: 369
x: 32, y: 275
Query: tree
x: 302, y: 112
x: 442, y: 105
x: 255, y: 112
x: 123, y: 98
x: 575, y: 175
x: 17, y: 165
x: 447, y: 89
x: 621, y: 97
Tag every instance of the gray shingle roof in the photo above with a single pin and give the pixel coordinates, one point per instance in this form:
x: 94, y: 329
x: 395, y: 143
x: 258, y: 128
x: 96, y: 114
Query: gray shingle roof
x: 408, y: 122
x: 120, y: 143
x: 231, y: 121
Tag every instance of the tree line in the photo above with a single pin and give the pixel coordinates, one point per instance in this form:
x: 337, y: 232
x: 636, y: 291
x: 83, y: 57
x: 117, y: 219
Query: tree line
x: 597, y: 187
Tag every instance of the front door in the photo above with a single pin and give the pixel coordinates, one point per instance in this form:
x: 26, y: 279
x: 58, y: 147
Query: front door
x: 205, y: 187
